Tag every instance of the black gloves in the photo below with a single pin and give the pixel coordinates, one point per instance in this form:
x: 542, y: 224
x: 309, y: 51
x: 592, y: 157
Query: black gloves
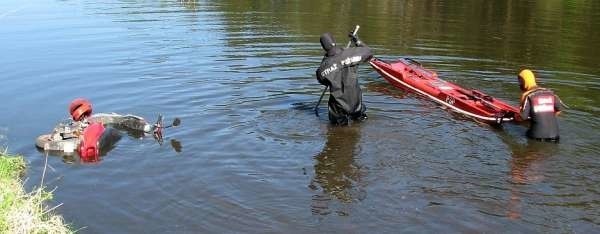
x: 354, y: 39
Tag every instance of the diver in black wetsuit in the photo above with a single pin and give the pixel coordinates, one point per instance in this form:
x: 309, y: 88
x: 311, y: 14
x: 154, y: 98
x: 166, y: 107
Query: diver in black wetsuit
x: 338, y: 70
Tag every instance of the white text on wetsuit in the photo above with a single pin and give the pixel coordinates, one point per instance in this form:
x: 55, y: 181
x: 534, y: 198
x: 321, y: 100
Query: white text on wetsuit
x: 351, y: 60
x: 344, y: 62
x: 329, y: 70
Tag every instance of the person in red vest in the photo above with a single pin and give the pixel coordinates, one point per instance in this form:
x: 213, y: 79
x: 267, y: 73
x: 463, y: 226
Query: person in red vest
x: 540, y: 106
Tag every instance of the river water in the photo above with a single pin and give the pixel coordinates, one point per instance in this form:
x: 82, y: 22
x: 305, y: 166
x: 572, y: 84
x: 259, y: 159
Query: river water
x: 250, y: 156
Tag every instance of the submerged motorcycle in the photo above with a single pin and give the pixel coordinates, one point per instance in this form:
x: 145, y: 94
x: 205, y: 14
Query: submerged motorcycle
x: 91, y: 135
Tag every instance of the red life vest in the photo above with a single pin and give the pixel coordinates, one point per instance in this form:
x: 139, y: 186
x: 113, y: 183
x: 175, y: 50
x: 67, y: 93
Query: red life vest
x: 89, y: 148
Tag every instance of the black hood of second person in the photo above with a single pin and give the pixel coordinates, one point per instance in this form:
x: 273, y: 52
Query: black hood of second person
x: 328, y: 44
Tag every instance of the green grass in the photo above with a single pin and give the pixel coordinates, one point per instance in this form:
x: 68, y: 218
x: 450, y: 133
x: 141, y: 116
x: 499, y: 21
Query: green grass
x: 22, y: 212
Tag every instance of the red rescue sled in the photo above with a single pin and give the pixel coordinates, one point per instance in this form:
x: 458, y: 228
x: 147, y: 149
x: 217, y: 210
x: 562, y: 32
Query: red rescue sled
x: 410, y: 75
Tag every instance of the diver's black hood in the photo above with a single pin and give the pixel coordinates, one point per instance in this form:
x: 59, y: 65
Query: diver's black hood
x: 328, y: 44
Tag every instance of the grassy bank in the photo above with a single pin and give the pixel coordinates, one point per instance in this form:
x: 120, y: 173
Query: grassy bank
x: 22, y: 212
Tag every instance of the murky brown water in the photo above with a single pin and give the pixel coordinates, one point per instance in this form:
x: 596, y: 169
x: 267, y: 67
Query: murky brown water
x: 251, y: 155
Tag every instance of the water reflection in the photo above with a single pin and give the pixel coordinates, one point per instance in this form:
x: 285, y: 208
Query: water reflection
x: 385, y: 88
x: 336, y: 171
x: 526, y: 170
x: 176, y: 145
x: 233, y: 68
x: 189, y: 4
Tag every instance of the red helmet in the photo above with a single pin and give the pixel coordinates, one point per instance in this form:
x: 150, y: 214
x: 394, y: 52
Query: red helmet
x: 80, y: 108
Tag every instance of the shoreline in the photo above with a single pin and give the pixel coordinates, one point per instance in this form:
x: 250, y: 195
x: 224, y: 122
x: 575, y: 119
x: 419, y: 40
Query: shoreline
x: 21, y: 211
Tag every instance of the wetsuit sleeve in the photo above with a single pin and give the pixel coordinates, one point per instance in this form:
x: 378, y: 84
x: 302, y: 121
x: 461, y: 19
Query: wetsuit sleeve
x: 558, y: 104
x: 364, y: 51
x: 526, y: 109
x: 357, y: 55
x: 322, y: 80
